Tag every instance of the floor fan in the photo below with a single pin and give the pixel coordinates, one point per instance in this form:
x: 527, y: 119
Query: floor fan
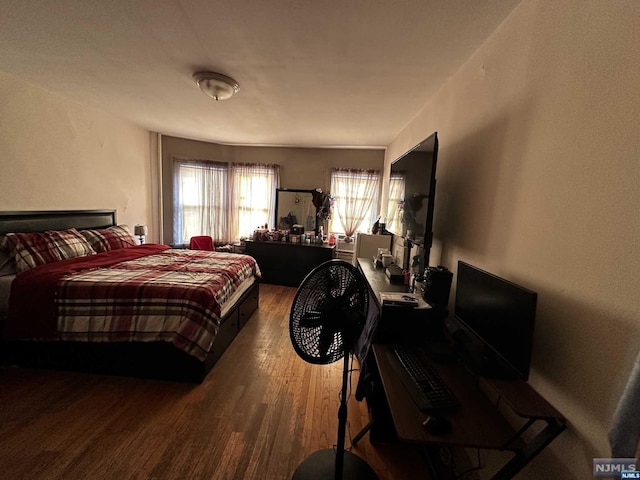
x: 327, y: 317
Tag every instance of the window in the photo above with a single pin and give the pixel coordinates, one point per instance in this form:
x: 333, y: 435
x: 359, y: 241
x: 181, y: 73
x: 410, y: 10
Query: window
x: 355, y: 195
x: 225, y: 201
x: 253, y: 196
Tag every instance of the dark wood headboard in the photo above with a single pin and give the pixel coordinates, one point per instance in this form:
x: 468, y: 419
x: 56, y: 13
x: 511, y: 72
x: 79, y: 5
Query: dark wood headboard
x: 27, y: 222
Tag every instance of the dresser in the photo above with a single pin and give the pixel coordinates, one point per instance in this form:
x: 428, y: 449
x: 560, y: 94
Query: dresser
x: 287, y: 263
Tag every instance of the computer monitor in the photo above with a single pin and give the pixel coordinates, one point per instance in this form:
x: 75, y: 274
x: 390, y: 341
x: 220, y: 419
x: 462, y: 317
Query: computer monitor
x: 500, y: 317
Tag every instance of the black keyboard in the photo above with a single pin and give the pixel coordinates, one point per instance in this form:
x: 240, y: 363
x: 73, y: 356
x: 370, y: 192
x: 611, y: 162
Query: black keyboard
x: 427, y: 389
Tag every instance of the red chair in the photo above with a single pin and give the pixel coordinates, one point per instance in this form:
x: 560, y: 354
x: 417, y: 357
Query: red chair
x: 201, y: 242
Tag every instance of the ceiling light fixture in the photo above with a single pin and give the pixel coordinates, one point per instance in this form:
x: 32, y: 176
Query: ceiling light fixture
x: 216, y: 85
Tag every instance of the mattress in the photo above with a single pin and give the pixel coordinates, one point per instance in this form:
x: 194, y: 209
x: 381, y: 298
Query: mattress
x: 5, y: 289
x: 231, y: 301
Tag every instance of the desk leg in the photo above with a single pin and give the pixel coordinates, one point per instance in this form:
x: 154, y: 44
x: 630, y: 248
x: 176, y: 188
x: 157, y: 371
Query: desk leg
x: 362, y: 433
x: 439, y: 469
x: 523, y: 457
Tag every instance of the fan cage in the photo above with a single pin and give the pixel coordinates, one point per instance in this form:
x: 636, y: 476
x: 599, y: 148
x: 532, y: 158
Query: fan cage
x: 328, y: 312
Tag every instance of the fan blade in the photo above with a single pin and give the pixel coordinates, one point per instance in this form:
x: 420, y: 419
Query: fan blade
x: 327, y: 338
x: 354, y: 321
x: 311, y: 319
x: 318, y: 313
x: 351, y: 288
x: 323, y: 297
x: 343, y: 276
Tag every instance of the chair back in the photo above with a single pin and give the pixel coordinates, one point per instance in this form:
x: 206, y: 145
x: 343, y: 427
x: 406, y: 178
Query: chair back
x: 201, y: 242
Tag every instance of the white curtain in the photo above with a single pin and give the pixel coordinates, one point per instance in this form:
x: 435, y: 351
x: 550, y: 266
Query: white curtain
x: 355, y: 193
x: 222, y: 200
x: 396, y: 195
x: 199, y: 200
x: 253, y: 196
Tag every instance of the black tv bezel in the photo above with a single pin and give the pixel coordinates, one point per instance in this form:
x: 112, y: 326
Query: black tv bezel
x: 493, y: 362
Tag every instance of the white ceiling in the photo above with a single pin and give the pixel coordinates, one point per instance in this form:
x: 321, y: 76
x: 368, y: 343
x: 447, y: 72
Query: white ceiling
x: 311, y: 73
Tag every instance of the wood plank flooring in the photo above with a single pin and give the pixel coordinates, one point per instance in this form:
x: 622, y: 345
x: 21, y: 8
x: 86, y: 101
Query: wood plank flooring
x: 257, y: 415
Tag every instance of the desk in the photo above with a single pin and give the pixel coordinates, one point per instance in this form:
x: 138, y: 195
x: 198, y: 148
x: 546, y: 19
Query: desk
x: 377, y: 280
x: 403, y: 325
x: 388, y: 325
x: 477, y: 423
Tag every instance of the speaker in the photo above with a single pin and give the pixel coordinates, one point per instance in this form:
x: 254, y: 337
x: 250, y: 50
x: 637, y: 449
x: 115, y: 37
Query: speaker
x: 437, y: 285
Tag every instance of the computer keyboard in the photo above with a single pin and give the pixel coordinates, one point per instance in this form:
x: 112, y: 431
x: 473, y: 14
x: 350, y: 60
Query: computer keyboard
x: 427, y: 389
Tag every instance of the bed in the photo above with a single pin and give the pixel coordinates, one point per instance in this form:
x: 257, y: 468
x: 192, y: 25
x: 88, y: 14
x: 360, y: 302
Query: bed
x: 96, y: 301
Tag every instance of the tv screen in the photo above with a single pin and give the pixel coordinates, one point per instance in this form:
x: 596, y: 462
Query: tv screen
x: 501, y: 315
x: 412, y: 193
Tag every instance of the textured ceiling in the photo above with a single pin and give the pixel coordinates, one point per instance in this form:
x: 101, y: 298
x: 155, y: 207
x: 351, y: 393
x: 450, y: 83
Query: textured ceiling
x: 311, y: 73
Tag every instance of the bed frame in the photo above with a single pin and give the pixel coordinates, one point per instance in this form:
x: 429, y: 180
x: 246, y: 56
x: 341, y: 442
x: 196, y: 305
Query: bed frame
x: 158, y: 360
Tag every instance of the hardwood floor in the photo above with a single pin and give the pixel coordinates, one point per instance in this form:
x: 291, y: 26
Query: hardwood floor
x: 259, y: 412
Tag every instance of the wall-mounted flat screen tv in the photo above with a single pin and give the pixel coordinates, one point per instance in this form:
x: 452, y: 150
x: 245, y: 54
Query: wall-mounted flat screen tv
x: 412, y: 185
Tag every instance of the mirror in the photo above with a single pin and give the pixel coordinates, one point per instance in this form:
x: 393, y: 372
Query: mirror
x: 295, y: 207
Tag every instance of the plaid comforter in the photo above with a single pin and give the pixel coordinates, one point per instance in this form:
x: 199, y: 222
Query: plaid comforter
x: 169, y: 295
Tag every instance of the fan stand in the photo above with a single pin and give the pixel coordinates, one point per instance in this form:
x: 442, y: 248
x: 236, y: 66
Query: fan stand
x: 337, y: 464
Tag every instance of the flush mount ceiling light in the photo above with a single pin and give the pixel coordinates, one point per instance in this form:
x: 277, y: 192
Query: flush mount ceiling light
x: 216, y: 85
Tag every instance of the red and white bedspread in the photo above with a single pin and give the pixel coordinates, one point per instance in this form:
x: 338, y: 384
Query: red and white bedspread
x: 146, y: 293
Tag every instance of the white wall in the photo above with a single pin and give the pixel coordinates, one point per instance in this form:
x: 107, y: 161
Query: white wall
x: 58, y: 155
x: 539, y: 182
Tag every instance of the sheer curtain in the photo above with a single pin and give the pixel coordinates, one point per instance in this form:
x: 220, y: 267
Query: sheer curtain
x: 396, y: 195
x: 199, y: 199
x: 354, y: 192
x: 253, y: 196
x: 225, y: 201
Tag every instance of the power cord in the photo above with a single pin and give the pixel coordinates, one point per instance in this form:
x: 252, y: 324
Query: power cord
x: 352, y: 369
x: 350, y: 391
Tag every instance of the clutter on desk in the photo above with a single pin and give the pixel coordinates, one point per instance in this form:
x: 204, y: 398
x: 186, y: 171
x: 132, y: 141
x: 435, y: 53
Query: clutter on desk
x: 399, y: 299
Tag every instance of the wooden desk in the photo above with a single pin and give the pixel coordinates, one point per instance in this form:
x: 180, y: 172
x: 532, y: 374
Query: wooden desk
x: 377, y: 280
x: 400, y: 325
x: 389, y: 325
x: 477, y: 422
